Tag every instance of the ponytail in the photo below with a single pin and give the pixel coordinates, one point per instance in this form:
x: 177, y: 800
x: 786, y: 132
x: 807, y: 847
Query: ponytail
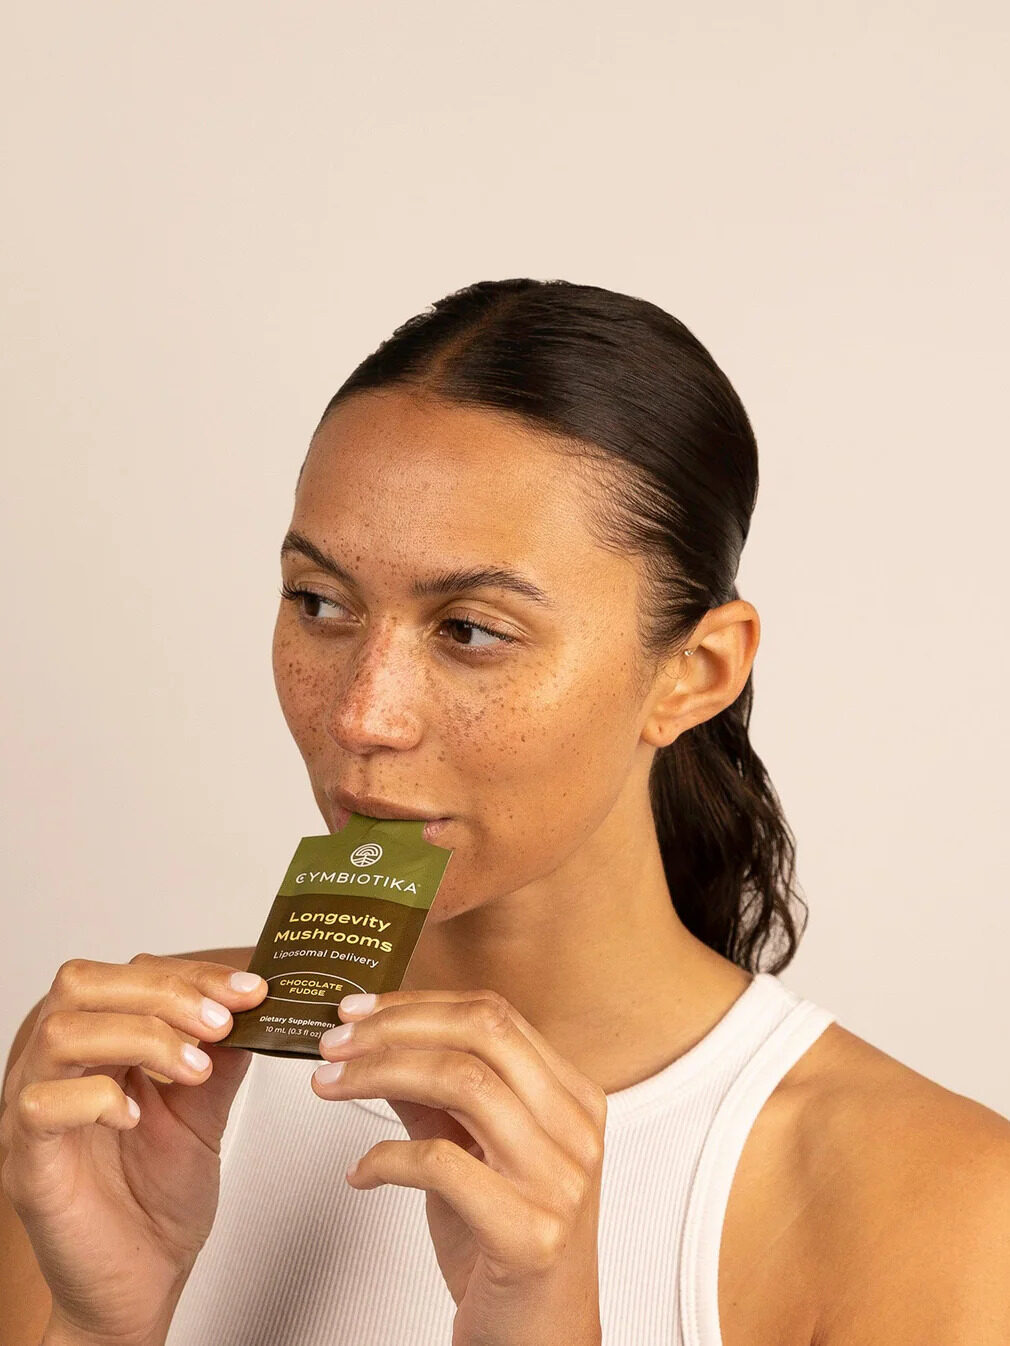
x: 728, y: 852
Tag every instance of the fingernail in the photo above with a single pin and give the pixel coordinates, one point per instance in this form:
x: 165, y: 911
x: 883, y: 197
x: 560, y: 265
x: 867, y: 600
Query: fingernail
x: 245, y: 981
x: 335, y: 1037
x: 330, y: 1072
x: 133, y: 1107
x: 358, y: 1004
x: 194, y: 1057
x: 212, y: 1013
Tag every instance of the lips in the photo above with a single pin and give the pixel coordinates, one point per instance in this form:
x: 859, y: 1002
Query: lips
x: 374, y: 807
x: 343, y: 804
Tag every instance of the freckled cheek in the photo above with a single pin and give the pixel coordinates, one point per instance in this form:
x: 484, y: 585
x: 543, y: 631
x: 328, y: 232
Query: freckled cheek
x: 535, y: 792
x: 561, y: 742
x: 301, y: 685
x: 516, y: 742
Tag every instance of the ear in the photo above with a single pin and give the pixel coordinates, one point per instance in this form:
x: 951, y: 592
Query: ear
x: 694, y: 687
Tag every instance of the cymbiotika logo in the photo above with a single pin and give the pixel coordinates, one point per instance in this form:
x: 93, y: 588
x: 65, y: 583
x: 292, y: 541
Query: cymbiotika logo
x: 369, y: 854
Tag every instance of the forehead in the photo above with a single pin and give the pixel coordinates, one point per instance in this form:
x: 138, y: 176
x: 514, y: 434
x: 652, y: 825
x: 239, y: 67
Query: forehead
x: 414, y: 479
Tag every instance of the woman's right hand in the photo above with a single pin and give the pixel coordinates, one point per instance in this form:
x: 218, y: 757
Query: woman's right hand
x: 117, y: 1209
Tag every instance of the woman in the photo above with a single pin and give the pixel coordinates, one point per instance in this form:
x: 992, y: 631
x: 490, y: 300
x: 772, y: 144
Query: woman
x: 509, y: 601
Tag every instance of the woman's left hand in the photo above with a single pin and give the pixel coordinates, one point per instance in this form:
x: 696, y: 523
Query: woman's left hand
x: 507, y: 1142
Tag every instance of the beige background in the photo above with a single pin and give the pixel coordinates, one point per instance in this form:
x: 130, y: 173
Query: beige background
x: 210, y: 213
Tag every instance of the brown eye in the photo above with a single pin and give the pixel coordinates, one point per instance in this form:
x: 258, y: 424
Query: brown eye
x: 296, y: 595
x: 307, y: 597
x: 496, y: 636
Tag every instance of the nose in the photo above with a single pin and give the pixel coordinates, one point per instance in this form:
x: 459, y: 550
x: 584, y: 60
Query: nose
x: 376, y: 701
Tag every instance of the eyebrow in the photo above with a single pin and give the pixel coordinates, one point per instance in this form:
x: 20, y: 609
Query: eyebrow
x: 455, y: 580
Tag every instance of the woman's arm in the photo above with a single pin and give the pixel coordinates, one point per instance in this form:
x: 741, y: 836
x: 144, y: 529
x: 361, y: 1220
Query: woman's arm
x: 25, y: 1300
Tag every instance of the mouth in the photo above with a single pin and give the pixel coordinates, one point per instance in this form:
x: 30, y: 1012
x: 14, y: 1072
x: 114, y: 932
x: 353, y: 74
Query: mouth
x: 343, y: 804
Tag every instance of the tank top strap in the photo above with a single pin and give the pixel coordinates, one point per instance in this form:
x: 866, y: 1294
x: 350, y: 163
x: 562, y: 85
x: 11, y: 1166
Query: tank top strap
x: 708, y: 1199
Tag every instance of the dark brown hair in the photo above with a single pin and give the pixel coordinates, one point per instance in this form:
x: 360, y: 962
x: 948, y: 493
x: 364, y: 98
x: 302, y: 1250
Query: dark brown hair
x: 626, y: 389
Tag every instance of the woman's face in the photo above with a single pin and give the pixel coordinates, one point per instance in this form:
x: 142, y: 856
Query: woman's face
x: 523, y: 738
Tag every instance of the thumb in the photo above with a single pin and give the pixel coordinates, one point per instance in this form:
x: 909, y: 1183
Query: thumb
x: 204, y: 1108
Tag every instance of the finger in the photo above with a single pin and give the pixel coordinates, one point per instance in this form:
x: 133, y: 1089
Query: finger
x: 36, y: 1124
x: 53, y: 1107
x: 470, y: 1091
x: 510, y: 1229
x: 483, y: 1028
x: 187, y: 994
x: 70, y: 1041
x: 586, y: 1091
x: 195, y: 995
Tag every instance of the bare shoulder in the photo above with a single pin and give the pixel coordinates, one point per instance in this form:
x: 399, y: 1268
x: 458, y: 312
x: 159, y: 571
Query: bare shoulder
x: 906, y: 1190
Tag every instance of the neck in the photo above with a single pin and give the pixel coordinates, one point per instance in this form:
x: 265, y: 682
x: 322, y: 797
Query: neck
x: 592, y: 955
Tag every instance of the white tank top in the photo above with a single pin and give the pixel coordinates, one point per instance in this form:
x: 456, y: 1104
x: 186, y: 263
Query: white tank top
x: 297, y: 1257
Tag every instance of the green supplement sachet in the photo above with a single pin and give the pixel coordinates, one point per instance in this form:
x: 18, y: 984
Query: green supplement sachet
x: 345, y: 919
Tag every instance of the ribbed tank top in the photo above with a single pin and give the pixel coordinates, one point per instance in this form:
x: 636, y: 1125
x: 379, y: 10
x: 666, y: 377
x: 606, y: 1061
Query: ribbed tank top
x: 296, y: 1257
